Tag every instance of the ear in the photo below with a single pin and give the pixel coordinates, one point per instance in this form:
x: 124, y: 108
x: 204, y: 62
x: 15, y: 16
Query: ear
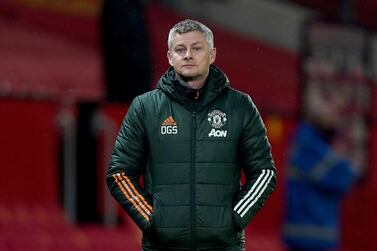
x: 212, y: 55
x: 170, y: 58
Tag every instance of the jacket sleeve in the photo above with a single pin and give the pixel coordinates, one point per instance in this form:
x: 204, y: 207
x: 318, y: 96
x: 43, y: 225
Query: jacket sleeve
x: 126, y: 167
x: 258, y: 166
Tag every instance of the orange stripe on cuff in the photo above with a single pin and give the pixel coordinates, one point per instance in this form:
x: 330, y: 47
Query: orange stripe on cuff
x: 137, y: 193
x: 130, y: 199
x: 132, y: 194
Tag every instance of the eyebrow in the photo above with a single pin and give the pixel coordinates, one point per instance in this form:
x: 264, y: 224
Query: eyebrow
x: 193, y: 44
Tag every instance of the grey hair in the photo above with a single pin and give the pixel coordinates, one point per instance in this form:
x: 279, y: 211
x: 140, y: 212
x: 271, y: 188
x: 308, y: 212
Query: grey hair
x: 190, y: 25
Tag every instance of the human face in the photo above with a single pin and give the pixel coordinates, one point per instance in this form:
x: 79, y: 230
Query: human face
x: 191, y: 56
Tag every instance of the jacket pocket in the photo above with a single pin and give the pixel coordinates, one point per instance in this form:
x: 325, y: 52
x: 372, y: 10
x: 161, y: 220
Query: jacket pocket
x: 237, y: 222
x: 150, y: 225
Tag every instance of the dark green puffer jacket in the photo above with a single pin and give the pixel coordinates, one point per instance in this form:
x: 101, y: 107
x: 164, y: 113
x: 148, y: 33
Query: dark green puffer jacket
x: 190, y: 152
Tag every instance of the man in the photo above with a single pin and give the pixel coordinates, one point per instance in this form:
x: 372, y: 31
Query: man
x: 319, y: 175
x: 189, y: 139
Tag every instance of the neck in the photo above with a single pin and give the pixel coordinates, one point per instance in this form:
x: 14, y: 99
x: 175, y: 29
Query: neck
x: 192, y: 83
x: 196, y: 84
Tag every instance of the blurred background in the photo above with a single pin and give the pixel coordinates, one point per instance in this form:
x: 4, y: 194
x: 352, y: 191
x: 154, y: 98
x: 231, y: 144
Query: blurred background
x: 69, y: 69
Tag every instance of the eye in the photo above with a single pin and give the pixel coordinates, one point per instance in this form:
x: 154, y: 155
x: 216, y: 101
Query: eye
x: 179, y: 50
x: 197, y: 48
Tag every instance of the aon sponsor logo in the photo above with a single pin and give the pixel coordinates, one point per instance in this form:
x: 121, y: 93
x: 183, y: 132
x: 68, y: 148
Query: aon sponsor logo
x: 217, y: 133
x: 169, y: 129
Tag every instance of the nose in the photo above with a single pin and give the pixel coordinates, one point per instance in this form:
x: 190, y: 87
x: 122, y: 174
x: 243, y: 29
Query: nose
x: 188, y: 54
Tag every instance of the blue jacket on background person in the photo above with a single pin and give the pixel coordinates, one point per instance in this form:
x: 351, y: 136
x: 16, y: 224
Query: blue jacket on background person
x: 317, y: 180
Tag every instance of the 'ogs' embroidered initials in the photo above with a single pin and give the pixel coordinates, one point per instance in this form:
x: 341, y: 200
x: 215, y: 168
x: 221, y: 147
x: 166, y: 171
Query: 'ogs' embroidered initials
x: 169, y: 126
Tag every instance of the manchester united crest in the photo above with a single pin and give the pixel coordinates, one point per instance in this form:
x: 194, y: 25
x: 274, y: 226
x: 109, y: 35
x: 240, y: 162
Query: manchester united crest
x: 217, y: 118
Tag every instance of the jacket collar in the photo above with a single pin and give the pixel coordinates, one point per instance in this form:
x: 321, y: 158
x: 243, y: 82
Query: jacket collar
x: 216, y: 83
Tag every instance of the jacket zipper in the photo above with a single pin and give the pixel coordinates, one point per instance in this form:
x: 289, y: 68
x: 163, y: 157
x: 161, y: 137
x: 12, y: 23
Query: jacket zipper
x: 193, y: 177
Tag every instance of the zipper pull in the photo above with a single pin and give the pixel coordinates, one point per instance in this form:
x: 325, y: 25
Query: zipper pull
x: 194, y: 118
x: 197, y: 94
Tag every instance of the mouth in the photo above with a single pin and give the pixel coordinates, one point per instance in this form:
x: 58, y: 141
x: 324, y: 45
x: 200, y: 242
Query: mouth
x: 188, y: 65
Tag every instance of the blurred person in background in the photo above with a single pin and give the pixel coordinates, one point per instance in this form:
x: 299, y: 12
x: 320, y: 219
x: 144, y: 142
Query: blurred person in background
x: 189, y: 139
x: 126, y: 52
x: 319, y: 175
